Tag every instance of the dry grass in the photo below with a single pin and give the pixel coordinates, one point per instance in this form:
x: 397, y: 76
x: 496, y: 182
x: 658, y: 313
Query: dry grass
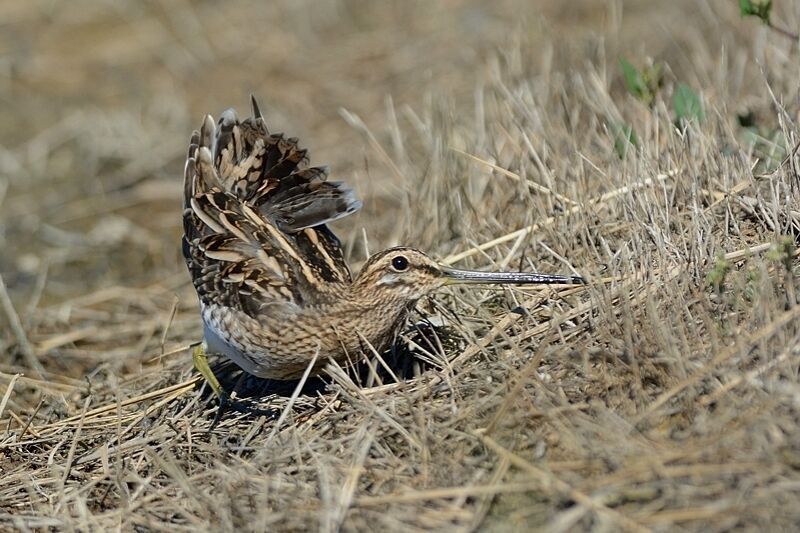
x: 647, y: 400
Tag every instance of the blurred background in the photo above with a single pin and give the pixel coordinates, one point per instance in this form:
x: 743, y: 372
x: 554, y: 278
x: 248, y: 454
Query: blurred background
x: 99, y: 99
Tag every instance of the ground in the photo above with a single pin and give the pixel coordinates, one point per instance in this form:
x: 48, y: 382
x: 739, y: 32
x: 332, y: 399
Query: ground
x: 664, y: 394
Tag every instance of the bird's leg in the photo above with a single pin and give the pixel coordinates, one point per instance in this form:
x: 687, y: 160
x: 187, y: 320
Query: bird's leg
x: 200, y: 360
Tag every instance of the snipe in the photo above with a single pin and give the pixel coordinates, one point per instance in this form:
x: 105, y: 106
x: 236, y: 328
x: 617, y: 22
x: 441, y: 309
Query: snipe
x: 275, y: 292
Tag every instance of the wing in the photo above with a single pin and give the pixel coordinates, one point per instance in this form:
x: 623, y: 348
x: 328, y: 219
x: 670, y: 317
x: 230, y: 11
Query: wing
x: 254, y: 218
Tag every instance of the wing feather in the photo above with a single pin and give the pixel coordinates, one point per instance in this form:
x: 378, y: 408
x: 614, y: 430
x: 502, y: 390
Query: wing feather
x: 254, y: 218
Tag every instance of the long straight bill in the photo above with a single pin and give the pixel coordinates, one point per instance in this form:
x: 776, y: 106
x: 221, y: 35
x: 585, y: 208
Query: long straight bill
x: 455, y: 276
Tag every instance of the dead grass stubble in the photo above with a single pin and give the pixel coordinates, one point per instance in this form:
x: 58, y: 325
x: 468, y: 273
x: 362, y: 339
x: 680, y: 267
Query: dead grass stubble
x: 646, y: 400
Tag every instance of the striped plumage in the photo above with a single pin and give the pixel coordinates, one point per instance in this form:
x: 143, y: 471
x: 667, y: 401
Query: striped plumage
x: 274, y: 289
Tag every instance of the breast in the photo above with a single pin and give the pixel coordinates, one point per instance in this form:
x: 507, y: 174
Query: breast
x: 283, y: 348
x: 377, y: 325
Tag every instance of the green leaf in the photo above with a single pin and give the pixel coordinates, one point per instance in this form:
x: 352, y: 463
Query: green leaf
x: 687, y: 104
x: 624, y: 137
x: 634, y: 80
x: 783, y: 252
x: 643, y: 84
x: 759, y: 9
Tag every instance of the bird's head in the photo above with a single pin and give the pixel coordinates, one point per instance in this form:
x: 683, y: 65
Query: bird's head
x: 406, y: 275
x: 400, y: 274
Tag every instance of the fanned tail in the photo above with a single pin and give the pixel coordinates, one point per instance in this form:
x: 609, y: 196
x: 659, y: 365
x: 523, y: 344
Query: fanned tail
x: 267, y: 171
x: 255, y: 213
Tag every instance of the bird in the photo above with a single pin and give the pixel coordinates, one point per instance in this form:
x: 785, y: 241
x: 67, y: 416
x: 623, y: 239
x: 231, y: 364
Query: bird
x: 276, y: 295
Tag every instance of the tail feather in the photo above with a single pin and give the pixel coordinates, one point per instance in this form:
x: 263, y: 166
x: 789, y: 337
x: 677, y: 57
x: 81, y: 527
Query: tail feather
x: 251, y: 202
x: 310, y: 204
x: 255, y: 110
x: 267, y: 171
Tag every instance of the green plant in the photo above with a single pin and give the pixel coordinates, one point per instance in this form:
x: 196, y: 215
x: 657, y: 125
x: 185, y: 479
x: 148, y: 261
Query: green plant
x: 687, y: 104
x: 716, y: 276
x: 762, y: 10
x: 624, y: 137
x: 644, y: 84
x: 783, y: 252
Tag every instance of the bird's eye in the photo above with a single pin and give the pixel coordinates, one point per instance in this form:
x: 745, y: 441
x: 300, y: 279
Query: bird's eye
x: 400, y: 263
